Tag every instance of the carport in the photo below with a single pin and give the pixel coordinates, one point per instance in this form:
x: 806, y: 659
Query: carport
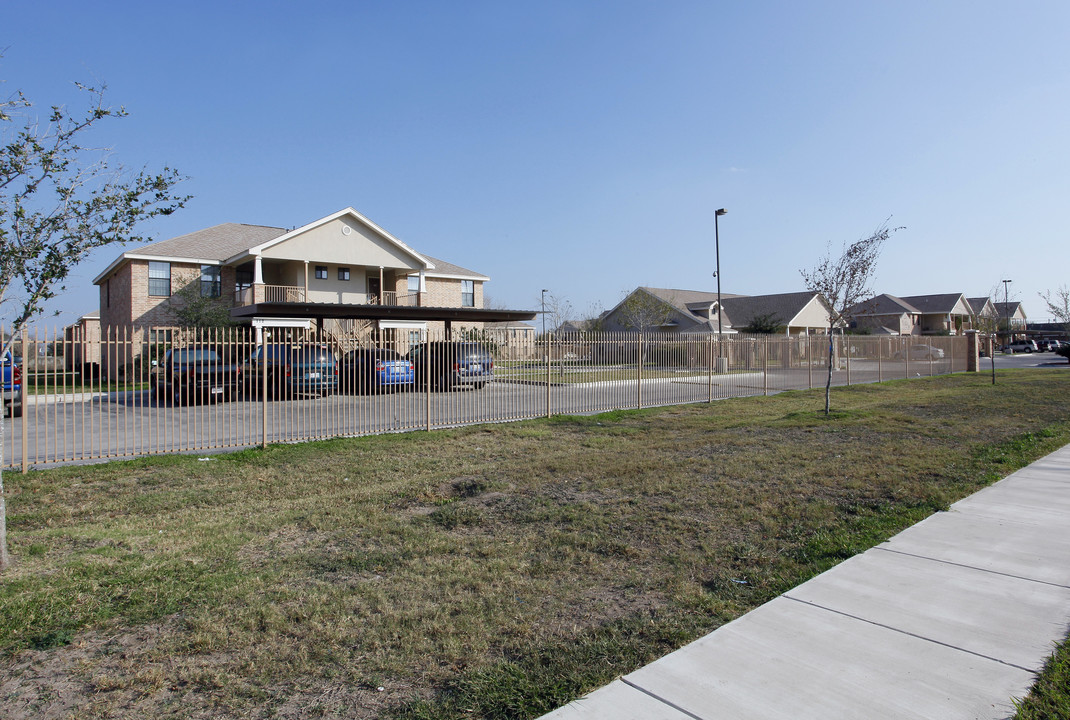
x: 289, y: 313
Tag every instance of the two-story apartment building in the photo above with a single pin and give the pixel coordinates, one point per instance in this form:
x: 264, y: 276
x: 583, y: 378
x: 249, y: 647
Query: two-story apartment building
x: 342, y: 268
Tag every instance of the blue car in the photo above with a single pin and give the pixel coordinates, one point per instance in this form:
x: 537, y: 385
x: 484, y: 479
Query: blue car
x: 9, y: 367
x: 371, y: 370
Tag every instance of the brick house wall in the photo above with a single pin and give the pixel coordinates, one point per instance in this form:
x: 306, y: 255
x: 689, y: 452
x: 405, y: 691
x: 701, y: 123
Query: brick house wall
x: 125, y: 304
x: 446, y: 292
x: 130, y: 303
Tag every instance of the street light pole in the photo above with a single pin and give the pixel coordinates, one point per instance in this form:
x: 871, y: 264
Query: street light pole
x: 717, y: 244
x: 1007, y: 307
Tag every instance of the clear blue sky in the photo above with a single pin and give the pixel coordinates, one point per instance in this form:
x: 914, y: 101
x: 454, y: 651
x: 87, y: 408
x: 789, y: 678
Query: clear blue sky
x: 583, y: 147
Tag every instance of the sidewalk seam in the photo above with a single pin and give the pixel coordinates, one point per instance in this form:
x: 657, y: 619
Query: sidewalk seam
x: 660, y: 699
x: 910, y: 634
x: 973, y: 567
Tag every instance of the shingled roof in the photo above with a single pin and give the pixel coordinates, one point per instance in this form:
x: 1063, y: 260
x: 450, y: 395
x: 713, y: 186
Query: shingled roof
x: 738, y: 310
x: 218, y: 242
x: 741, y: 310
x: 446, y: 269
x: 927, y: 304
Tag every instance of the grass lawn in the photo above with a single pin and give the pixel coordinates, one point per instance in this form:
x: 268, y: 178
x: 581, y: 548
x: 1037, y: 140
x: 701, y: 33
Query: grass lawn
x: 494, y: 571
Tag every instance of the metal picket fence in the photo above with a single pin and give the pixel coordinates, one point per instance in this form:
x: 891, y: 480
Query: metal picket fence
x: 137, y: 391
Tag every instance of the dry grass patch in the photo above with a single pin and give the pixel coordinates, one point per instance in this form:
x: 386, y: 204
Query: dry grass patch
x: 491, y: 571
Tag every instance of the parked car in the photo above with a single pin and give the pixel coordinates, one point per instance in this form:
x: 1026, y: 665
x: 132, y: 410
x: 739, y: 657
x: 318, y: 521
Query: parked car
x: 1026, y: 346
x: 196, y: 373
x: 12, y: 372
x: 291, y: 371
x: 366, y: 370
x: 452, y: 364
x: 922, y: 352
x: 1043, y: 345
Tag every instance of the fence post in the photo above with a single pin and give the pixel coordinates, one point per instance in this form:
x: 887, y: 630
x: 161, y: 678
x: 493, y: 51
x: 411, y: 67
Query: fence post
x: 765, y: 366
x: 847, y: 351
x: 22, y: 400
x: 810, y: 358
x: 639, y: 374
x: 709, y: 373
x: 263, y: 390
x: 427, y: 377
x: 549, y: 352
x: 880, y: 353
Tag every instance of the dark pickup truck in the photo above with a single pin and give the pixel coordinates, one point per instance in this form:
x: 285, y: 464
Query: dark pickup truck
x: 12, y: 375
x: 195, y: 373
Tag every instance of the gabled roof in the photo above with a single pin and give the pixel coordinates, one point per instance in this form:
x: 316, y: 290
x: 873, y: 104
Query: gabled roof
x: 348, y: 212
x: 947, y: 303
x: 882, y: 305
x: 230, y: 243
x: 738, y: 310
x: 979, y: 304
x: 443, y: 269
x: 211, y: 246
x: 1009, y: 309
x: 783, y: 307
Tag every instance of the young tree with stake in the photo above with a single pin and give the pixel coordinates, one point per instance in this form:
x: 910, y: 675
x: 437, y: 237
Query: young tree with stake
x: 844, y: 282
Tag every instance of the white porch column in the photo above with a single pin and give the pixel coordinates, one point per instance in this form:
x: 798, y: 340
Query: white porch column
x: 258, y: 270
x: 306, y: 280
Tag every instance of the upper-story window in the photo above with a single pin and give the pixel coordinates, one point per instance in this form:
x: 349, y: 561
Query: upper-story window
x: 343, y: 273
x: 159, y: 279
x: 211, y: 281
x: 414, y: 284
x: 468, y: 293
x: 321, y: 272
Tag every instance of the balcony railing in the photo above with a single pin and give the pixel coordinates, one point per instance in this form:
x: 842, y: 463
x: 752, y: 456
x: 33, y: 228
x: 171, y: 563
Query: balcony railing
x: 251, y: 294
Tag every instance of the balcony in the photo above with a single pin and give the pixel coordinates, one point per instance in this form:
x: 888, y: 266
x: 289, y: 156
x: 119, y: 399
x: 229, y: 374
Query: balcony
x: 254, y: 294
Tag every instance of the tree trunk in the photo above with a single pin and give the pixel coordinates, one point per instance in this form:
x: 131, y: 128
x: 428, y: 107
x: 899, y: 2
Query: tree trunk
x: 4, y: 559
x: 828, y: 381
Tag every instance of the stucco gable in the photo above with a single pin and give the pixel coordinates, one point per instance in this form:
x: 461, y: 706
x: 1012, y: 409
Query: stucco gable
x: 345, y: 237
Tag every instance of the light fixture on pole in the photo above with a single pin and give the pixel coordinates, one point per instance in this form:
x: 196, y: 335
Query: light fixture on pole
x: 544, y: 312
x: 717, y: 244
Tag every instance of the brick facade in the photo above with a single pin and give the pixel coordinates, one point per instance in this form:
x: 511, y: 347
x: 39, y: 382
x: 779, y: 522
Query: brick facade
x: 125, y: 299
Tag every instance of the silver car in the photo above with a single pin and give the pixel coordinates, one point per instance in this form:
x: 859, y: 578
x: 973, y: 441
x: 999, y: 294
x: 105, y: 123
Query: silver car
x: 923, y: 352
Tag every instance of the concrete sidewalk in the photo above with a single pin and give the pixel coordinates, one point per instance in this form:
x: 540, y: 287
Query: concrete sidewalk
x: 949, y: 619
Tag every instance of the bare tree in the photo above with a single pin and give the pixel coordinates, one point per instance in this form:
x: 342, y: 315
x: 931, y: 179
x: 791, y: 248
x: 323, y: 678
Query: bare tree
x: 1059, y: 305
x: 558, y: 312
x: 644, y: 312
x: 844, y: 282
x: 59, y: 201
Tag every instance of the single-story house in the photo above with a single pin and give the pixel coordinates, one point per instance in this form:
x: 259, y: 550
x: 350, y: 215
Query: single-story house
x: 693, y: 311
x: 945, y: 314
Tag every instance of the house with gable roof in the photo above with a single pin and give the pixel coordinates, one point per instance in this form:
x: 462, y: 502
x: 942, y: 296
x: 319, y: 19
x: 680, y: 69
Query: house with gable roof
x: 342, y: 267
x: 944, y: 314
x: 693, y: 311
x: 1011, y: 318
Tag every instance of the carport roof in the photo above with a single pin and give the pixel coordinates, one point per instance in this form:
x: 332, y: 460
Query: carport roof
x: 377, y: 312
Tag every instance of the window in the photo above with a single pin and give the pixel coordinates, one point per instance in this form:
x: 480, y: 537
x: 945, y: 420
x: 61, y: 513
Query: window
x: 468, y: 293
x: 343, y: 273
x: 414, y: 284
x: 321, y: 272
x: 211, y: 281
x: 159, y: 279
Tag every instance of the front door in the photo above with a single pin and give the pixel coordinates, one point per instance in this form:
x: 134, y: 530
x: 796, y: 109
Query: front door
x: 375, y: 290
